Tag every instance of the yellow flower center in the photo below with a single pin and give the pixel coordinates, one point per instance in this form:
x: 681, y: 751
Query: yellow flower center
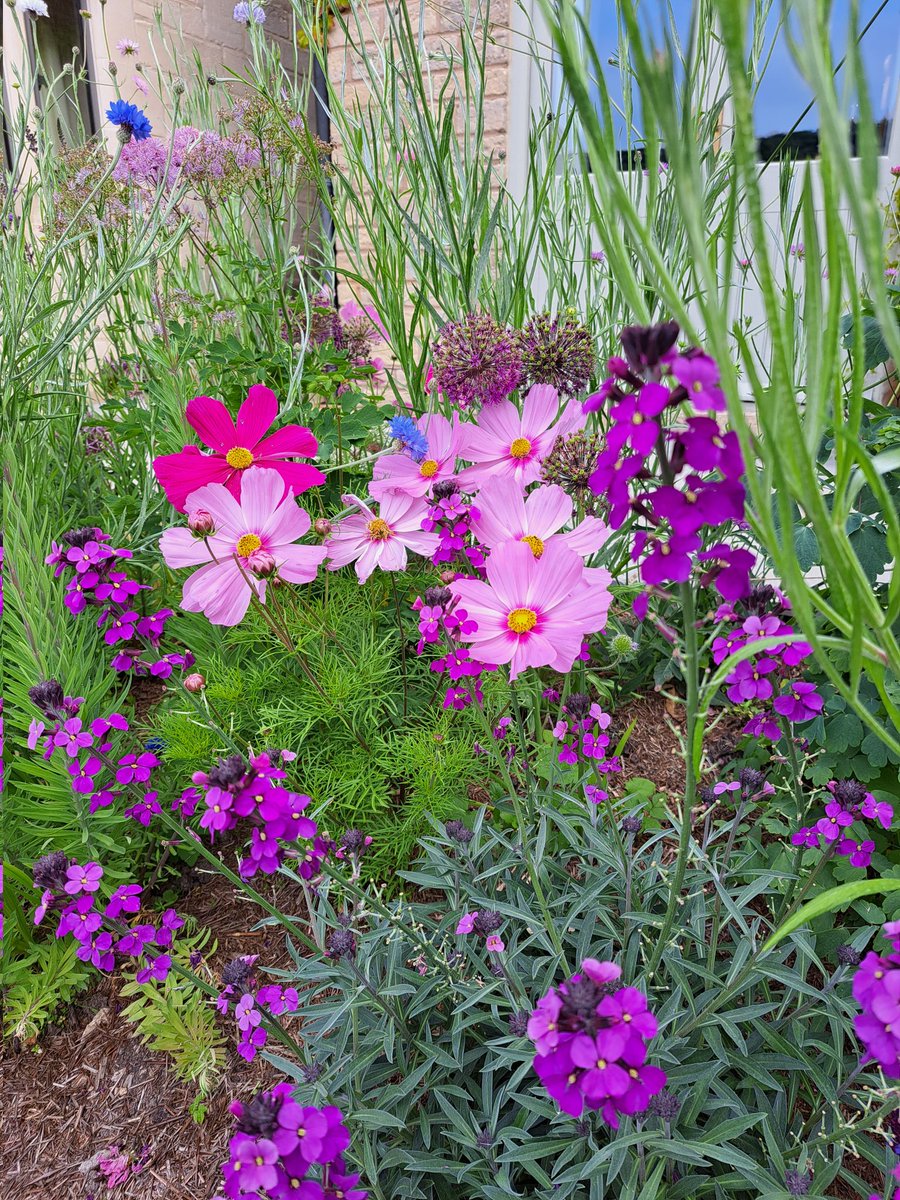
x: 239, y: 458
x: 428, y: 468
x: 633, y: 1073
x: 532, y: 540
x: 626, y: 1017
x: 520, y: 448
x: 601, y: 1064
x: 379, y: 531
x: 521, y: 620
x: 247, y: 543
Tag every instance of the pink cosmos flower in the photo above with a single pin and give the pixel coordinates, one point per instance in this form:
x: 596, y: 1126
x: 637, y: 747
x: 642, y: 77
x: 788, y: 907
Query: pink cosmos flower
x: 236, y: 448
x: 532, y: 612
x: 382, y: 541
x: 511, y: 444
x: 506, y: 514
x: 254, y: 537
x: 400, y: 473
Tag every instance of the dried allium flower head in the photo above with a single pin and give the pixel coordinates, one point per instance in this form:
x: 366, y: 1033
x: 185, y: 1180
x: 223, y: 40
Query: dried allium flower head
x: 341, y: 944
x: 570, y: 464
x: 559, y: 351
x: 48, y: 697
x: 49, y: 872
x: 645, y: 345
x: 476, y: 361
x: 458, y: 832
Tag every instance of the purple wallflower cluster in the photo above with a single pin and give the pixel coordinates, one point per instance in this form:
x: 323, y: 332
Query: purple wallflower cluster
x: 441, y: 620
x: 591, y: 1038
x: 476, y: 361
x: 96, y: 773
x: 70, y: 890
x: 769, y: 677
x: 89, y: 563
x: 277, y: 1147
x: 876, y: 989
x: 699, y: 466
x: 252, y: 1004
x: 236, y: 791
x: 581, y: 730
x: 486, y: 923
x: 850, y: 804
x: 451, y: 518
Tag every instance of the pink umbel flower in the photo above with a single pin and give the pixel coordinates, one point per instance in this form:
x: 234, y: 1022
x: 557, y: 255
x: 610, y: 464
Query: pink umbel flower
x: 237, y: 448
x: 507, y: 514
x: 254, y: 539
x: 401, y: 473
x: 372, y: 540
x: 511, y: 444
x: 532, y: 612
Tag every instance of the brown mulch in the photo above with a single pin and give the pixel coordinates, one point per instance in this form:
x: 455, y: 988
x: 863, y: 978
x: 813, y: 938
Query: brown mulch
x: 90, y: 1084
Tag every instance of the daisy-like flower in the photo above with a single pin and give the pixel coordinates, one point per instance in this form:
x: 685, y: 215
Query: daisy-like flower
x: 128, y: 47
x: 511, y: 444
x: 37, y: 7
x: 254, y: 539
x: 507, y: 514
x: 237, y: 448
x: 382, y: 539
x: 402, y: 473
x: 532, y: 612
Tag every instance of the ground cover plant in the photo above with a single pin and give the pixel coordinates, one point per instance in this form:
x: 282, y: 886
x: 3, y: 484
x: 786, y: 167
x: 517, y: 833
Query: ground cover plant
x: 332, y: 578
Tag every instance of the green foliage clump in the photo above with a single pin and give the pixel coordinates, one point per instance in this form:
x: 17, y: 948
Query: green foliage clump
x: 364, y: 715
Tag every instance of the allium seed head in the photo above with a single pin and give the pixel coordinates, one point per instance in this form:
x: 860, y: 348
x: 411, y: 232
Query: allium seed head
x: 476, y: 361
x: 558, y: 351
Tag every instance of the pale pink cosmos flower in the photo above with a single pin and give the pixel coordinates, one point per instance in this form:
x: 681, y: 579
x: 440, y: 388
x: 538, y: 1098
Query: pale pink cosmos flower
x: 507, y: 514
x: 532, y: 612
x: 254, y: 539
x: 400, y: 473
x: 511, y: 444
x: 381, y: 539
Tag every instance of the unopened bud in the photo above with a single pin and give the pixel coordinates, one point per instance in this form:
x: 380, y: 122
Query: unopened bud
x: 179, y: 87
x: 113, y: 69
x: 194, y: 683
x: 448, y: 576
x: 261, y: 562
x: 124, y: 134
x: 201, y: 522
x: 323, y: 527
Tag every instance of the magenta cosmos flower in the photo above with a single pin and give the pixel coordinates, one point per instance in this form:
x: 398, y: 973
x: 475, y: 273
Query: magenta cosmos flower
x: 236, y: 448
x: 511, y: 444
x: 532, y: 612
x: 401, y: 473
x: 372, y: 540
x: 253, y: 539
x: 506, y: 514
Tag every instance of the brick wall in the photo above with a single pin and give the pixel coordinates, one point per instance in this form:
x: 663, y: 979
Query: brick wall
x: 442, y: 21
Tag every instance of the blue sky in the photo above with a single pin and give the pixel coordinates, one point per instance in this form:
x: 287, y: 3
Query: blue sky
x: 783, y: 95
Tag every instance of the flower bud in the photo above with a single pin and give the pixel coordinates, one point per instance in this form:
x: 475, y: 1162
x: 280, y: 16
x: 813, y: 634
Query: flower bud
x: 323, y: 527
x: 261, y: 562
x: 194, y: 683
x: 448, y: 576
x: 201, y: 522
x: 179, y: 87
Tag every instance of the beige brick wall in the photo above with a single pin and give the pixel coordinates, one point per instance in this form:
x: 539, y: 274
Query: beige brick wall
x: 442, y: 22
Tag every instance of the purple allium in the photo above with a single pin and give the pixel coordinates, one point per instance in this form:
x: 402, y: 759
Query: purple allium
x: 476, y: 361
x: 558, y: 351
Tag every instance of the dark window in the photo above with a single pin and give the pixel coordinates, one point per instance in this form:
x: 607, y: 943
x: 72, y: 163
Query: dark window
x: 65, y: 97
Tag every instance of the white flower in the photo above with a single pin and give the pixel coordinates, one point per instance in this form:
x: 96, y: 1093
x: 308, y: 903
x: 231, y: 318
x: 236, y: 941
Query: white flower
x: 38, y: 7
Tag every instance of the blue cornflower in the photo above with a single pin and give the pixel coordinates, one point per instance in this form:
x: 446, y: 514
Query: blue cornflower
x: 249, y: 13
x: 405, y: 430
x: 129, y: 116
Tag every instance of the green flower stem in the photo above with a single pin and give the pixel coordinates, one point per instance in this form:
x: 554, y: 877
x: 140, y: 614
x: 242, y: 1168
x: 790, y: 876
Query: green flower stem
x: 690, y: 669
